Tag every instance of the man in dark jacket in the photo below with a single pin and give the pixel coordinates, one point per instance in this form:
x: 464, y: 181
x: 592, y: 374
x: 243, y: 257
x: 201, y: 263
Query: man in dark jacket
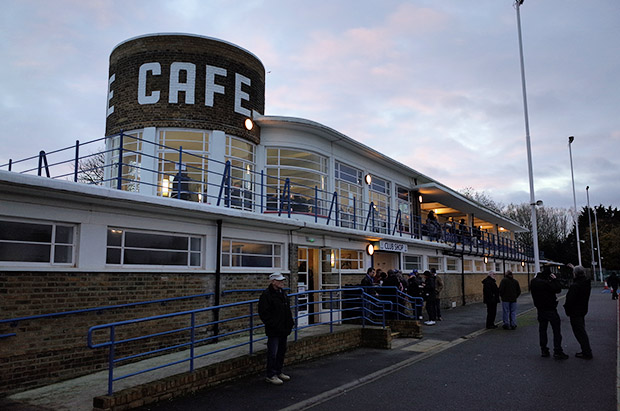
x: 544, y: 287
x: 275, y: 312
x: 490, y: 295
x: 576, y: 307
x: 430, y: 293
x: 509, y: 291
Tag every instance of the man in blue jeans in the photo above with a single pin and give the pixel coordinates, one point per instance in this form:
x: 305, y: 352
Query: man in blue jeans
x: 275, y: 311
x: 509, y: 291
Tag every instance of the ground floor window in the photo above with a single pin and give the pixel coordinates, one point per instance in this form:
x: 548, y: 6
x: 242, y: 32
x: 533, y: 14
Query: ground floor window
x: 242, y: 253
x: 452, y: 264
x: 133, y: 247
x: 435, y: 262
x: 413, y: 262
x: 351, y: 260
x: 468, y: 266
x: 37, y: 242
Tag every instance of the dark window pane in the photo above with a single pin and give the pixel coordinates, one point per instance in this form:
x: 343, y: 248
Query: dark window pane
x: 113, y: 256
x: 194, y: 259
x: 64, y: 234
x: 156, y: 241
x: 146, y: 257
x: 114, y: 237
x: 63, y: 254
x: 32, y: 253
x: 195, y: 244
x: 40, y: 233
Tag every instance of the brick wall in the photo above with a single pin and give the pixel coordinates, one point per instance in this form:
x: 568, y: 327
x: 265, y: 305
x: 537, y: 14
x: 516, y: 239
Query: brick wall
x: 128, y: 114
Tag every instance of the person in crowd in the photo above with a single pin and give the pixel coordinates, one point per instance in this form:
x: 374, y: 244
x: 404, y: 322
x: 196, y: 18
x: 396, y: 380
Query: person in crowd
x: 439, y: 289
x: 392, y: 285
x: 430, y: 294
x: 369, y: 278
x: 509, y: 291
x: 275, y: 311
x: 490, y: 297
x: 433, y: 226
x: 544, y: 287
x: 613, y: 281
x: 576, y: 307
x: 414, y: 289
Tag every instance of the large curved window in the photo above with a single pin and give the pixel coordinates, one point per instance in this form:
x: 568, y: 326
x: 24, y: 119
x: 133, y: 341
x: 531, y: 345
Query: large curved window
x: 379, y: 196
x: 305, y: 170
x: 349, y: 187
x: 240, y: 153
x: 183, y: 173
x: 132, y: 161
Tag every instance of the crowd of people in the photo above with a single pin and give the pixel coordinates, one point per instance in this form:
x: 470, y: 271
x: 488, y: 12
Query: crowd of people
x: 427, y: 285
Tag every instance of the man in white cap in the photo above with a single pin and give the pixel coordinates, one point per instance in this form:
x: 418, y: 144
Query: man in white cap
x: 275, y: 312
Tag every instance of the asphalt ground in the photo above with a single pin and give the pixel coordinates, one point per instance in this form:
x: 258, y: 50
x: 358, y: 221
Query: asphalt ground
x: 457, y: 365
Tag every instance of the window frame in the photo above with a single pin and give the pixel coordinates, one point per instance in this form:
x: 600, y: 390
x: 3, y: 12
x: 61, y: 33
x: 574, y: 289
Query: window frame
x: 229, y: 256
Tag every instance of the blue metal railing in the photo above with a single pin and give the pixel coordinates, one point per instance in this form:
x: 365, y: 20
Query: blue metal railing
x: 14, y: 322
x: 343, y: 304
x: 252, y: 193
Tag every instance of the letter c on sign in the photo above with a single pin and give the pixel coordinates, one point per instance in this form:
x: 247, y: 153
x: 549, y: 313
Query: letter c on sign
x: 153, y: 98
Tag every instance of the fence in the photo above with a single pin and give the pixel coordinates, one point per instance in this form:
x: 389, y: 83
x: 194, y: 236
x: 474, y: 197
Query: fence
x: 234, y: 184
x: 335, y: 306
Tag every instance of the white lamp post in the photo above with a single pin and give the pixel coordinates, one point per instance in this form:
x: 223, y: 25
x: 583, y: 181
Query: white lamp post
x: 518, y: 4
x: 598, y: 246
x: 593, y: 262
x: 575, y: 216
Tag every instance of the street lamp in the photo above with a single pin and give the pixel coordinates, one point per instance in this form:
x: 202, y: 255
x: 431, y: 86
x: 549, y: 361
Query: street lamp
x: 593, y: 262
x: 518, y: 4
x: 576, y: 216
x: 598, y: 247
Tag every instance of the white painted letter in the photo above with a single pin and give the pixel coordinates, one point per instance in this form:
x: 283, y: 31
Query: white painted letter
x: 154, y: 68
x: 239, y: 94
x: 188, y: 87
x: 210, y: 87
x: 110, y: 94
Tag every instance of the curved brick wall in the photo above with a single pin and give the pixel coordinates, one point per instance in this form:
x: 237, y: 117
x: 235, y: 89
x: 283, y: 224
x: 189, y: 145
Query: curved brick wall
x: 182, y: 80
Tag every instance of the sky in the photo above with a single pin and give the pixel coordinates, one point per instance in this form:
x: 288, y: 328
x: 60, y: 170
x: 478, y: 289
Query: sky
x: 433, y: 84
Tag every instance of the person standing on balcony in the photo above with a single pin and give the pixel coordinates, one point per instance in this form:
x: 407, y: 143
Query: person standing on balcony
x: 275, y: 311
x: 509, y: 291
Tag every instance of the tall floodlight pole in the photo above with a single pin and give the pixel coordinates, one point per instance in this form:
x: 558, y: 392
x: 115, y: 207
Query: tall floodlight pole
x: 518, y: 4
x: 598, y: 246
x: 575, y: 216
x: 593, y: 261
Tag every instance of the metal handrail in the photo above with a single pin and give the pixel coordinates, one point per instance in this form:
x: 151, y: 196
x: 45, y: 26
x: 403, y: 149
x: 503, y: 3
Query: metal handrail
x: 15, y: 321
x: 369, y: 308
x: 286, y: 196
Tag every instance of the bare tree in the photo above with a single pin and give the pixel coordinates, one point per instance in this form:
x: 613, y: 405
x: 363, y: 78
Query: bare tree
x: 90, y: 168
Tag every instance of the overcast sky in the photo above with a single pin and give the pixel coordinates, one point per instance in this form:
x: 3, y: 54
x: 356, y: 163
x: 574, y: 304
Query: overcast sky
x: 433, y: 84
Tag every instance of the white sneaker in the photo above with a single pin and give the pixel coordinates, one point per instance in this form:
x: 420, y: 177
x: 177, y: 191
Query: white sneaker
x: 429, y: 322
x: 274, y: 380
x: 284, y: 377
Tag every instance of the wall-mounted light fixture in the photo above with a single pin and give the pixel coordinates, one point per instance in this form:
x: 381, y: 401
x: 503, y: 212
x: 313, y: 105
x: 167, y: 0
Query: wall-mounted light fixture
x: 420, y: 199
x: 332, y: 259
x: 486, y: 259
x: 368, y: 179
x: 370, y: 249
x: 522, y: 263
x: 249, y: 124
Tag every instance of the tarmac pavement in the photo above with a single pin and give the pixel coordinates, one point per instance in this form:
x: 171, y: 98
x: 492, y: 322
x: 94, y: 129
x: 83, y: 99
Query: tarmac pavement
x: 457, y: 365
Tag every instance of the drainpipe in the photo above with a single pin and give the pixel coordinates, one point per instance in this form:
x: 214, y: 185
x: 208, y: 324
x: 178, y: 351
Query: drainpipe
x: 463, y: 278
x: 218, y: 278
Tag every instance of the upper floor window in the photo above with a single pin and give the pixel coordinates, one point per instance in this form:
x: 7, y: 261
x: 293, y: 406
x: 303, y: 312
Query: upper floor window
x: 380, y: 198
x: 349, y: 187
x: 183, y: 164
x: 37, y: 242
x: 305, y: 171
x: 240, y: 153
x: 133, y: 247
x: 131, y: 161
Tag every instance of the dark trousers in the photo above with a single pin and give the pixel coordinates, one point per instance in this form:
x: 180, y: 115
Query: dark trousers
x: 544, y: 319
x: 438, y: 307
x: 491, y: 313
x: 431, y: 310
x: 578, y: 323
x: 276, y: 349
x: 614, y: 293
